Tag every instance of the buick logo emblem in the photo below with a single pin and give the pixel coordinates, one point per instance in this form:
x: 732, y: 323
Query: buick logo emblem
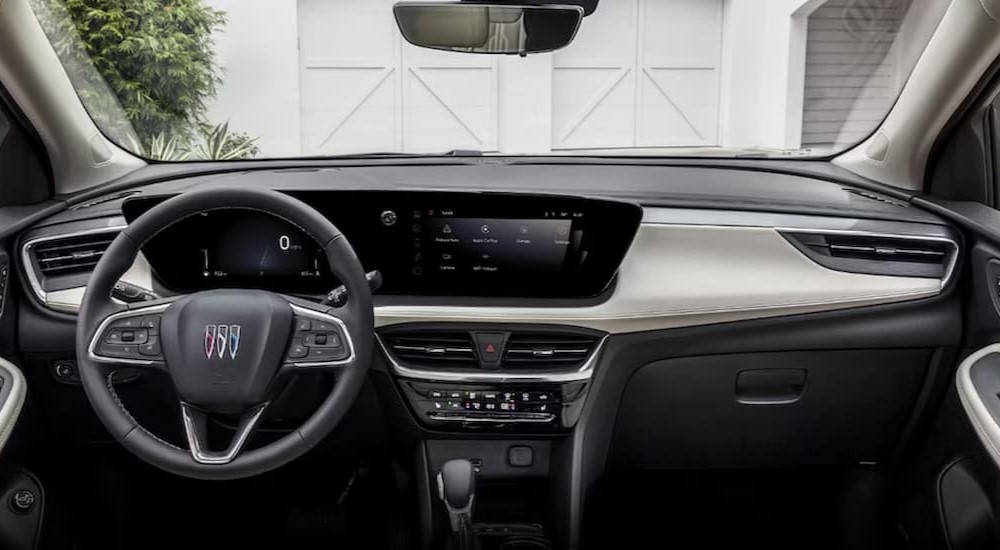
x: 219, y: 338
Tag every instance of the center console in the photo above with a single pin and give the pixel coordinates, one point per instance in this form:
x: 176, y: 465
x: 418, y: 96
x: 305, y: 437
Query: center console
x: 505, y: 398
x: 530, y: 379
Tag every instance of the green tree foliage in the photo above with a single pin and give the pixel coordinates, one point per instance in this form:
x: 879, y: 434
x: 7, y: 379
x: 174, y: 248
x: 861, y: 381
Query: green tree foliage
x: 156, y: 57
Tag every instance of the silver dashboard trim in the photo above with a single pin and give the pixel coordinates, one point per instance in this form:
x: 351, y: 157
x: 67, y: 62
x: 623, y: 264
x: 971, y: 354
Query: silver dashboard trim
x: 10, y: 408
x: 243, y: 431
x: 982, y: 420
x: 584, y: 372
x: 645, y: 299
x: 541, y: 418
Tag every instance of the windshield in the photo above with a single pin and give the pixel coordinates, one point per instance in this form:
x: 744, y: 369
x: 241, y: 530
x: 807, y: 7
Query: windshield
x: 235, y: 79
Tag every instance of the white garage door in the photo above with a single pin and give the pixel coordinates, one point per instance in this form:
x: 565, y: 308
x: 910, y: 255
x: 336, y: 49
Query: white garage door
x: 851, y: 69
x: 364, y: 89
x: 641, y: 73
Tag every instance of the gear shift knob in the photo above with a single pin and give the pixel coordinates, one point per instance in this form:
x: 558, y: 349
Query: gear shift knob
x: 457, y: 489
x: 457, y: 483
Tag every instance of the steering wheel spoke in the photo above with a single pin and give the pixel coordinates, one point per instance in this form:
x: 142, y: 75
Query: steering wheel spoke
x: 130, y: 337
x: 196, y: 430
x: 320, y: 340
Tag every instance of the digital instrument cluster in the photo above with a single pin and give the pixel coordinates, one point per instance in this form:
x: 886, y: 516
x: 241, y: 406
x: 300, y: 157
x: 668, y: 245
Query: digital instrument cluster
x: 424, y: 243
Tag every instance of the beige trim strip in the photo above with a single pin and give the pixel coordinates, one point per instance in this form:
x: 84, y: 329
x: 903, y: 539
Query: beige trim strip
x: 979, y: 416
x: 10, y: 410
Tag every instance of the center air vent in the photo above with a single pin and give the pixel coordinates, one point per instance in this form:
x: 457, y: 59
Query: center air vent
x: 434, y: 349
x: 539, y: 350
x: 490, y: 349
x: 71, y: 255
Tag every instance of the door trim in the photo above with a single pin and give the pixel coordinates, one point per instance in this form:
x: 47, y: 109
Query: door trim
x: 979, y: 415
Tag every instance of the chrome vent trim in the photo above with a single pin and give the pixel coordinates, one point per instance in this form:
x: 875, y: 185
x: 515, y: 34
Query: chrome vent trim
x: 546, y: 350
x: 70, y: 256
x: 579, y: 373
x: 883, y: 247
x: 435, y: 348
x: 32, y: 269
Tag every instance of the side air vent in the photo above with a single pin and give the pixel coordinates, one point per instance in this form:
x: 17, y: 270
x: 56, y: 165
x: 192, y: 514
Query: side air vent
x: 871, y: 248
x: 433, y: 349
x: 539, y: 350
x: 71, y: 255
x: 879, y: 255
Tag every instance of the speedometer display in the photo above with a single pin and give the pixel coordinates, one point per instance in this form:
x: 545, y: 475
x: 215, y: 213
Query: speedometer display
x: 259, y: 246
x: 241, y: 249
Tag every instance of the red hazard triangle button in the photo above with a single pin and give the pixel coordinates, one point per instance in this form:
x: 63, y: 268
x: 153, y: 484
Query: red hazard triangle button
x: 490, y: 346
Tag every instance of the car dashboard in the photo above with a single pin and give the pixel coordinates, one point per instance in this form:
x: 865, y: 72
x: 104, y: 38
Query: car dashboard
x: 605, y: 316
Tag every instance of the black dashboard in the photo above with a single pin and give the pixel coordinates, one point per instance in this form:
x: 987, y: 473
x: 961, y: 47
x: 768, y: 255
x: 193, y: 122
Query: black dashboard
x: 432, y: 244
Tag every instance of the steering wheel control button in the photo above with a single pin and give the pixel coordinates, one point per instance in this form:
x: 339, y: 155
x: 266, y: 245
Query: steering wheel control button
x: 151, y: 348
x: 325, y: 354
x: 323, y: 326
x: 322, y: 339
x: 126, y: 336
x: 302, y: 325
x: 151, y: 324
x: 126, y: 323
x: 297, y: 351
x: 121, y: 351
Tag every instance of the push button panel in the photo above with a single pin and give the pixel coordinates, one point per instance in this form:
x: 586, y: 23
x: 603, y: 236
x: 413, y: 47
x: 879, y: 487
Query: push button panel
x: 130, y: 337
x: 317, y: 341
x: 516, y: 406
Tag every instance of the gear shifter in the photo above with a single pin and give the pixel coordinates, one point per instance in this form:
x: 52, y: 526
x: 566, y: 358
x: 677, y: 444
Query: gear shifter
x: 457, y: 489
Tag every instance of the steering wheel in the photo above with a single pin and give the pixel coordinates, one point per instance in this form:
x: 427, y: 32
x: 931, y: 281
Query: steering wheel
x: 225, y: 350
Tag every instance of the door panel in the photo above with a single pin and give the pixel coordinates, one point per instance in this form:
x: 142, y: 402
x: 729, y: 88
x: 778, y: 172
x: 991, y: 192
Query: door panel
x: 978, y: 382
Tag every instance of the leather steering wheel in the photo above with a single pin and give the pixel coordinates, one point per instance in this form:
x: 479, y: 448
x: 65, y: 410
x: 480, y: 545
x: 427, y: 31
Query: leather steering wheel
x: 226, y: 349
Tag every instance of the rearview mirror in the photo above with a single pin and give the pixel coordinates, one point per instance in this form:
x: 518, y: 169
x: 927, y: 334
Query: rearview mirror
x: 487, y: 28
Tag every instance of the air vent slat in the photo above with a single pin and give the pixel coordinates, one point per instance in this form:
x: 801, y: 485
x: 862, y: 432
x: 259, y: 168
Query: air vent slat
x: 547, y: 350
x: 71, y: 255
x: 434, y: 349
x: 871, y: 248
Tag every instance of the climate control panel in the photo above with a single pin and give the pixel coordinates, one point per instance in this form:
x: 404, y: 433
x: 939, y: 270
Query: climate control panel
x: 519, y: 407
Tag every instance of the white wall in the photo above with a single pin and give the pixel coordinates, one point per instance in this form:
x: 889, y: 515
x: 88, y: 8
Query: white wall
x: 258, y: 50
x: 763, y: 66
